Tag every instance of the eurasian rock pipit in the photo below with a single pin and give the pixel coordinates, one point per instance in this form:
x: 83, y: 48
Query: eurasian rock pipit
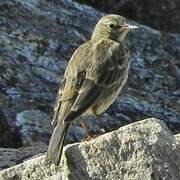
x: 94, y: 77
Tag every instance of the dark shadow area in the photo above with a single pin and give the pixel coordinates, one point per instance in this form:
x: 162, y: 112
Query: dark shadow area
x: 151, y: 13
x: 76, y: 164
x: 9, y: 137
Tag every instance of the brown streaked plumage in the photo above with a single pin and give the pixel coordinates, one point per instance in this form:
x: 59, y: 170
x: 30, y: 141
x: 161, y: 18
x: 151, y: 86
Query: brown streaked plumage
x: 94, y: 77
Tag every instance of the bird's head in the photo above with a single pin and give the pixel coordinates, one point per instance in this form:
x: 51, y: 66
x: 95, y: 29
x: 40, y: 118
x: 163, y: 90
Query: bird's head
x: 112, y: 27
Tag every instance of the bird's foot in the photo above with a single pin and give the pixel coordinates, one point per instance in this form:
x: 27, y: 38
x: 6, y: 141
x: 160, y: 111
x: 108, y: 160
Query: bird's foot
x: 91, y: 136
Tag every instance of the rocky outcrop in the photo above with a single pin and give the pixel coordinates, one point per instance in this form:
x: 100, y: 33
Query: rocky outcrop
x: 152, y: 13
x: 142, y: 150
x: 37, y: 38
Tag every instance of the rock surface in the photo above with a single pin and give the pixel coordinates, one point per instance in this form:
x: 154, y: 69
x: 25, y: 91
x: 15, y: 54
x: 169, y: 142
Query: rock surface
x: 34, y: 127
x: 142, y: 150
x: 152, y: 13
x: 11, y: 156
x: 37, y: 38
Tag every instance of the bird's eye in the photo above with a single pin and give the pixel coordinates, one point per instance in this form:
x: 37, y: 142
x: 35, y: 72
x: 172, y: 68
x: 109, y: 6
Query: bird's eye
x: 111, y: 25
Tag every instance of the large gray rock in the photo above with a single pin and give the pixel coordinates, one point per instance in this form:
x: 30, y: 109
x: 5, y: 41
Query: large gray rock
x: 139, y: 151
x: 37, y: 38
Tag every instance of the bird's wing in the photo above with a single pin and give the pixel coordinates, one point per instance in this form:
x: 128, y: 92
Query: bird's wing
x: 73, y: 79
x: 102, y: 73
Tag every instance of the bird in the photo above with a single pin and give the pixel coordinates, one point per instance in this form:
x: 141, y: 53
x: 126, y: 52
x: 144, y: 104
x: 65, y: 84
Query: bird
x: 93, y: 79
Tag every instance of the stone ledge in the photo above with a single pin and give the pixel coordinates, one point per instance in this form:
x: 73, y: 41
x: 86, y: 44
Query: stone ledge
x: 141, y: 150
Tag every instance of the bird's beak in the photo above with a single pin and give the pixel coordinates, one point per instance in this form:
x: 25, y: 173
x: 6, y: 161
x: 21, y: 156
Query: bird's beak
x: 124, y: 29
x: 129, y: 27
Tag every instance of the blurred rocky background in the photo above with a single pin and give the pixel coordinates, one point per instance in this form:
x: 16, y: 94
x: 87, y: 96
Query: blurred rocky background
x: 163, y: 15
x: 38, y: 37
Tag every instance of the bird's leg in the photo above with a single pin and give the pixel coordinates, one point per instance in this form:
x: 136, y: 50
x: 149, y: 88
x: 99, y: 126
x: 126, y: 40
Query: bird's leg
x: 88, y: 135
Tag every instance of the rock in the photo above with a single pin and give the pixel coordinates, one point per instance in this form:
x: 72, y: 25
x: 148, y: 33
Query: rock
x: 35, y: 126
x: 37, y: 38
x: 11, y: 156
x: 136, y: 151
x: 151, y: 13
x: 33, y: 169
x: 142, y: 150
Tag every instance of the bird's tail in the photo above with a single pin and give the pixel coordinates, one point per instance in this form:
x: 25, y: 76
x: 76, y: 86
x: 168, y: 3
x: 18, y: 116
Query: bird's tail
x: 57, y: 142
